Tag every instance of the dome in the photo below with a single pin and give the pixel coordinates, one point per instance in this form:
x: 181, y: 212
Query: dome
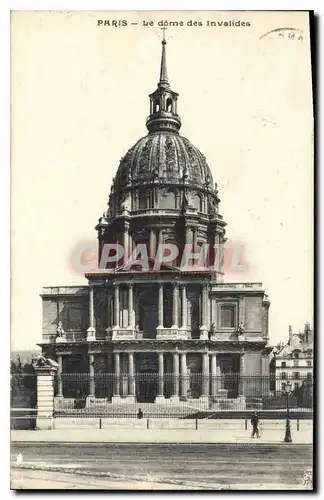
x: 164, y: 157
x: 163, y: 189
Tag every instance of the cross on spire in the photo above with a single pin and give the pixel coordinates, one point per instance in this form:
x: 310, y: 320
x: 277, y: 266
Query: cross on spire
x: 163, y: 72
x: 163, y: 29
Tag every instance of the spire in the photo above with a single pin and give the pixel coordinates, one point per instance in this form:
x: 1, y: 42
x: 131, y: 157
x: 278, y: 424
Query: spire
x: 163, y: 72
x: 163, y: 101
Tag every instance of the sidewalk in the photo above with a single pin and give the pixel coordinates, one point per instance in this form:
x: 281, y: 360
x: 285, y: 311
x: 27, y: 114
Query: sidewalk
x: 163, y: 436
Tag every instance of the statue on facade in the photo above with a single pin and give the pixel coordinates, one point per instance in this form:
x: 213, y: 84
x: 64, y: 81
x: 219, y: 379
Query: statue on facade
x: 185, y: 173
x: 212, y: 331
x: 240, y: 329
x: 60, y: 330
x: 212, y: 206
x: 39, y: 361
x: 186, y: 200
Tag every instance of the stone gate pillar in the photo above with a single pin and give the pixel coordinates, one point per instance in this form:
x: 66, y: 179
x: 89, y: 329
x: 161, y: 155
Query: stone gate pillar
x: 45, y: 370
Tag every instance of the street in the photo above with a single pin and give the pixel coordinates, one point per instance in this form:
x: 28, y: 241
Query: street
x: 158, y: 466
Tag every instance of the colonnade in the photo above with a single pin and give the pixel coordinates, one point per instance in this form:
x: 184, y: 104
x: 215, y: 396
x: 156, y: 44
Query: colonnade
x: 156, y: 237
x: 179, y: 298
x: 210, y: 375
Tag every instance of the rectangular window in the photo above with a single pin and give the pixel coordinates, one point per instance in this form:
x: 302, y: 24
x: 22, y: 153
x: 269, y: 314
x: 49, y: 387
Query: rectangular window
x: 227, y: 316
x: 296, y: 375
x: 296, y: 385
x: 296, y: 361
x: 74, y: 318
x: 283, y: 364
x: 309, y: 363
x: 283, y: 375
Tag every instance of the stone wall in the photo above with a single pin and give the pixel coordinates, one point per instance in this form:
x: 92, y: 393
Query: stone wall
x: 253, y: 313
x: 71, y: 311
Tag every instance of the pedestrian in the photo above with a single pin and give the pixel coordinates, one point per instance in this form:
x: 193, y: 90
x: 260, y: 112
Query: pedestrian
x: 140, y: 413
x: 255, y: 423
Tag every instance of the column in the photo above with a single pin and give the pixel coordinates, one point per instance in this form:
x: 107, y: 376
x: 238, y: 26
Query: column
x: 126, y: 244
x: 242, y: 370
x: 116, y: 305
x: 188, y: 237
x: 92, y: 376
x: 241, y: 310
x: 117, y: 255
x: 195, y: 239
x: 124, y: 374
x: 152, y: 244
x: 117, y: 375
x: 203, y: 321
x: 217, y: 253
x: 130, y: 244
x: 175, y: 395
x: 220, y: 378
x: 160, y: 306
x: 214, y: 374
x: 131, y: 387
x: 175, y: 309
x: 130, y: 307
x: 207, y: 311
x: 161, y: 237
x: 160, y: 393
x: 59, y: 375
x: 205, y: 375
x: 184, y: 307
x: 91, y: 330
x: 184, y: 381
x: 109, y: 313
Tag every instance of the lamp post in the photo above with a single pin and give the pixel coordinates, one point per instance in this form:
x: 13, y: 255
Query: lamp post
x: 287, y: 431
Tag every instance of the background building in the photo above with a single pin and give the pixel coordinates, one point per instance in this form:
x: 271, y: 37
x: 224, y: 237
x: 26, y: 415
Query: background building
x: 294, y: 360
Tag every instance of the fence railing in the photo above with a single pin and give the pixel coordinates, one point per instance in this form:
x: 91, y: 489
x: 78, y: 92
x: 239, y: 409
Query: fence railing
x: 189, y: 395
x: 23, y: 400
x: 178, y: 395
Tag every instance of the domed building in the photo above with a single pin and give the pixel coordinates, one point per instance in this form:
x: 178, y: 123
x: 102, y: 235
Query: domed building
x: 156, y: 322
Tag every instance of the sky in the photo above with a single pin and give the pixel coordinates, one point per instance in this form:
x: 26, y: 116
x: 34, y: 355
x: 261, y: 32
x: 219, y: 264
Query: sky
x: 80, y: 101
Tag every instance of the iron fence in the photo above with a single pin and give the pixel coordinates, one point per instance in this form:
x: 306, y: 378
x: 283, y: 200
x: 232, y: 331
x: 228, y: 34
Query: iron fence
x: 181, y: 396
x: 23, y: 400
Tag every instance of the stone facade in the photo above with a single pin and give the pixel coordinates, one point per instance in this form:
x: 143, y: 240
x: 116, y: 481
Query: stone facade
x: 179, y: 319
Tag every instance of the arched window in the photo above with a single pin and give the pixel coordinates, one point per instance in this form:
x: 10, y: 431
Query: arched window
x: 156, y: 107
x: 169, y: 105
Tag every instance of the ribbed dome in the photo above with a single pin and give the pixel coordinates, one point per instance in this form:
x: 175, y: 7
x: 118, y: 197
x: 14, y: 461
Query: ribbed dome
x: 167, y: 157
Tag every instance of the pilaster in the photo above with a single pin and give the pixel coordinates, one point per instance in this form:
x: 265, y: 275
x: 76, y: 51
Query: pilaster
x: 45, y: 396
x: 91, y: 332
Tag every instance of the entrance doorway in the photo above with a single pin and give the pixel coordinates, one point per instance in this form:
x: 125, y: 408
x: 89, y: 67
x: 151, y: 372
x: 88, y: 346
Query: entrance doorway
x: 146, y: 387
x: 146, y: 377
x: 148, y: 313
x: 230, y: 367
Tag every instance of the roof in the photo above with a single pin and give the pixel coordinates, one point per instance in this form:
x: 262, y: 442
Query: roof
x: 165, y: 157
